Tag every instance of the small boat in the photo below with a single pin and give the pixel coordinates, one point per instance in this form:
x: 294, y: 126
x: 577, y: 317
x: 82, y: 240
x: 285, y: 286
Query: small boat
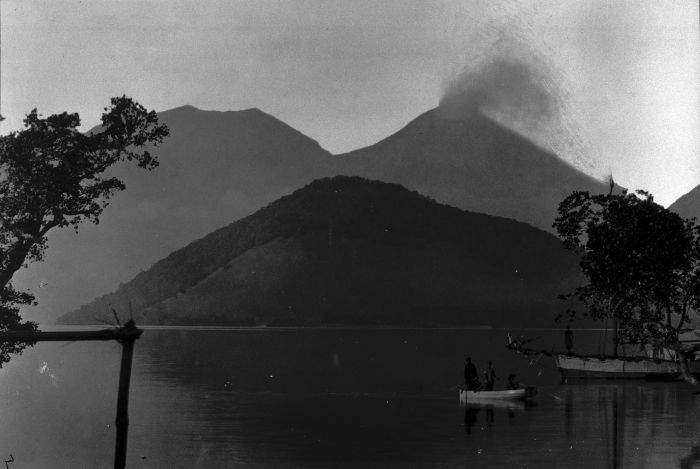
x: 503, y: 395
x: 509, y: 405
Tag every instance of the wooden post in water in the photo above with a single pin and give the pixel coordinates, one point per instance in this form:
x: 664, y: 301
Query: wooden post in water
x: 125, y: 335
x: 122, y: 420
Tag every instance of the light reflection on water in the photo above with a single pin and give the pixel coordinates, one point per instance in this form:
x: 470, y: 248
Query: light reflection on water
x: 324, y: 398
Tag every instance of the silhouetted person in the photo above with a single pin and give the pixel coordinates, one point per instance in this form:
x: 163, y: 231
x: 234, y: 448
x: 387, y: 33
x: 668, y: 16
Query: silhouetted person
x: 489, y: 377
x: 569, y: 339
x: 471, y: 379
x: 512, y: 383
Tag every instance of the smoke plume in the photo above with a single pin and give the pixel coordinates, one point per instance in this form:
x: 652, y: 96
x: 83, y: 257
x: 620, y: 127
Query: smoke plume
x: 513, y: 84
x: 508, y: 81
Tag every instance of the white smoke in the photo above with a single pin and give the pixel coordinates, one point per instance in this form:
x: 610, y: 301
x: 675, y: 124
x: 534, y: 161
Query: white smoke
x: 515, y: 85
x: 506, y: 87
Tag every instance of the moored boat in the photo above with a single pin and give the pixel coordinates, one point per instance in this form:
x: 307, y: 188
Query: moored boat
x: 582, y: 366
x: 652, y: 362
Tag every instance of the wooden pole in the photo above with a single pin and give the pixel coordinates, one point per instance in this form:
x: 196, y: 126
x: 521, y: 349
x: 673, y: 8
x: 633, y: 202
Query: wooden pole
x: 125, y: 335
x: 122, y: 419
x: 122, y: 334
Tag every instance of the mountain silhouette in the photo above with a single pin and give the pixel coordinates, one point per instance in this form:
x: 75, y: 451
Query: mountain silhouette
x: 473, y: 163
x: 346, y: 250
x: 215, y: 167
x: 688, y: 205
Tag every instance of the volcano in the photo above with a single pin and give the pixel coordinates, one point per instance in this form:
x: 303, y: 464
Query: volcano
x: 473, y: 163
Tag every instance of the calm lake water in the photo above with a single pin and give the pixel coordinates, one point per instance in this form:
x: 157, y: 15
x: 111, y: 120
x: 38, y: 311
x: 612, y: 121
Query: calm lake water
x: 329, y: 398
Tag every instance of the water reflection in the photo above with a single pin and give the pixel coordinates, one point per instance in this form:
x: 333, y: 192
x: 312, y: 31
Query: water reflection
x: 501, y: 408
x: 385, y: 396
x: 326, y: 399
x: 603, y: 424
x: 689, y: 461
x: 633, y: 423
x: 470, y: 413
x: 569, y: 413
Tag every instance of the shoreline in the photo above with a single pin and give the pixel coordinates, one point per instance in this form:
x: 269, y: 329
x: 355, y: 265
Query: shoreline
x: 153, y: 327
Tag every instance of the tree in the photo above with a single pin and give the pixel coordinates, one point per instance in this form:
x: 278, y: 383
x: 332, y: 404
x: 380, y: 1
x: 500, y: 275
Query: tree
x: 641, y: 262
x: 53, y: 176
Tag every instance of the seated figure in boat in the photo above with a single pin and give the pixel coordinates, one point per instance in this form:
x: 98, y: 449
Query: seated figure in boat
x: 512, y: 383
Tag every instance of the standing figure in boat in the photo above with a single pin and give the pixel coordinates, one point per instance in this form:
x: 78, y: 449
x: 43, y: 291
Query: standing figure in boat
x: 471, y: 377
x: 489, y: 377
x: 569, y: 339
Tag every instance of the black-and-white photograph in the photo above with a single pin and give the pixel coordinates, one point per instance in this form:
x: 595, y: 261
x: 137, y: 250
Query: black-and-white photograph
x: 349, y: 233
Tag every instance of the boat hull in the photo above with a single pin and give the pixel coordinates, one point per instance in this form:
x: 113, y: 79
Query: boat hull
x: 572, y: 366
x: 495, y: 396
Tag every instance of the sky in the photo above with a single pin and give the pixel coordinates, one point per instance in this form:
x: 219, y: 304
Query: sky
x: 612, y: 87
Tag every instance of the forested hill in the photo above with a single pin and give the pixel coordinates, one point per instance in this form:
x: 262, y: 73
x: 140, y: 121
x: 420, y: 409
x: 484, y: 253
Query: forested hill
x: 346, y: 250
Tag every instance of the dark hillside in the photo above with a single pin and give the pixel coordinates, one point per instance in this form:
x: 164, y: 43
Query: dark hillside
x: 352, y: 251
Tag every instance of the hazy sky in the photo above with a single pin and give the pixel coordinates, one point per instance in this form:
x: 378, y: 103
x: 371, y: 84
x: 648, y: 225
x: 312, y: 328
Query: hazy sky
x: 622, y: 76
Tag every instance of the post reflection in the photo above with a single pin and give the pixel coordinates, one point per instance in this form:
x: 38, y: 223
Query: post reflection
x: 569, y: 413
x: 622, y: 417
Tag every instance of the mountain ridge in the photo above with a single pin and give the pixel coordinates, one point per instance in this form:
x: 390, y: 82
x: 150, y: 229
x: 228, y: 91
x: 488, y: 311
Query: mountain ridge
x: 214, y: 167
x: 219, y: 166
x: 475, y: 164
x: 306, y: 258
x: 688, y: 205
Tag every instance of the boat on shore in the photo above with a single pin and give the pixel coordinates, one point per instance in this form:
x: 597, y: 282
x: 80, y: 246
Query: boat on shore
x: 466, y: 396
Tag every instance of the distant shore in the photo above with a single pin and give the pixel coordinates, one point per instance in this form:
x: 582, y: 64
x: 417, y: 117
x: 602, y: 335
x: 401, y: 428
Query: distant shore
x: 55, y: 327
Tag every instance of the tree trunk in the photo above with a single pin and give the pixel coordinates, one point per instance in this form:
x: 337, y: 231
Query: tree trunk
x: 15, y: 262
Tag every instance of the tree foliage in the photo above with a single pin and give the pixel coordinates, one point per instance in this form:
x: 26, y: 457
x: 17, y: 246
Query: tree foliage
x: 54, y: 176
x: 642, y: 263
